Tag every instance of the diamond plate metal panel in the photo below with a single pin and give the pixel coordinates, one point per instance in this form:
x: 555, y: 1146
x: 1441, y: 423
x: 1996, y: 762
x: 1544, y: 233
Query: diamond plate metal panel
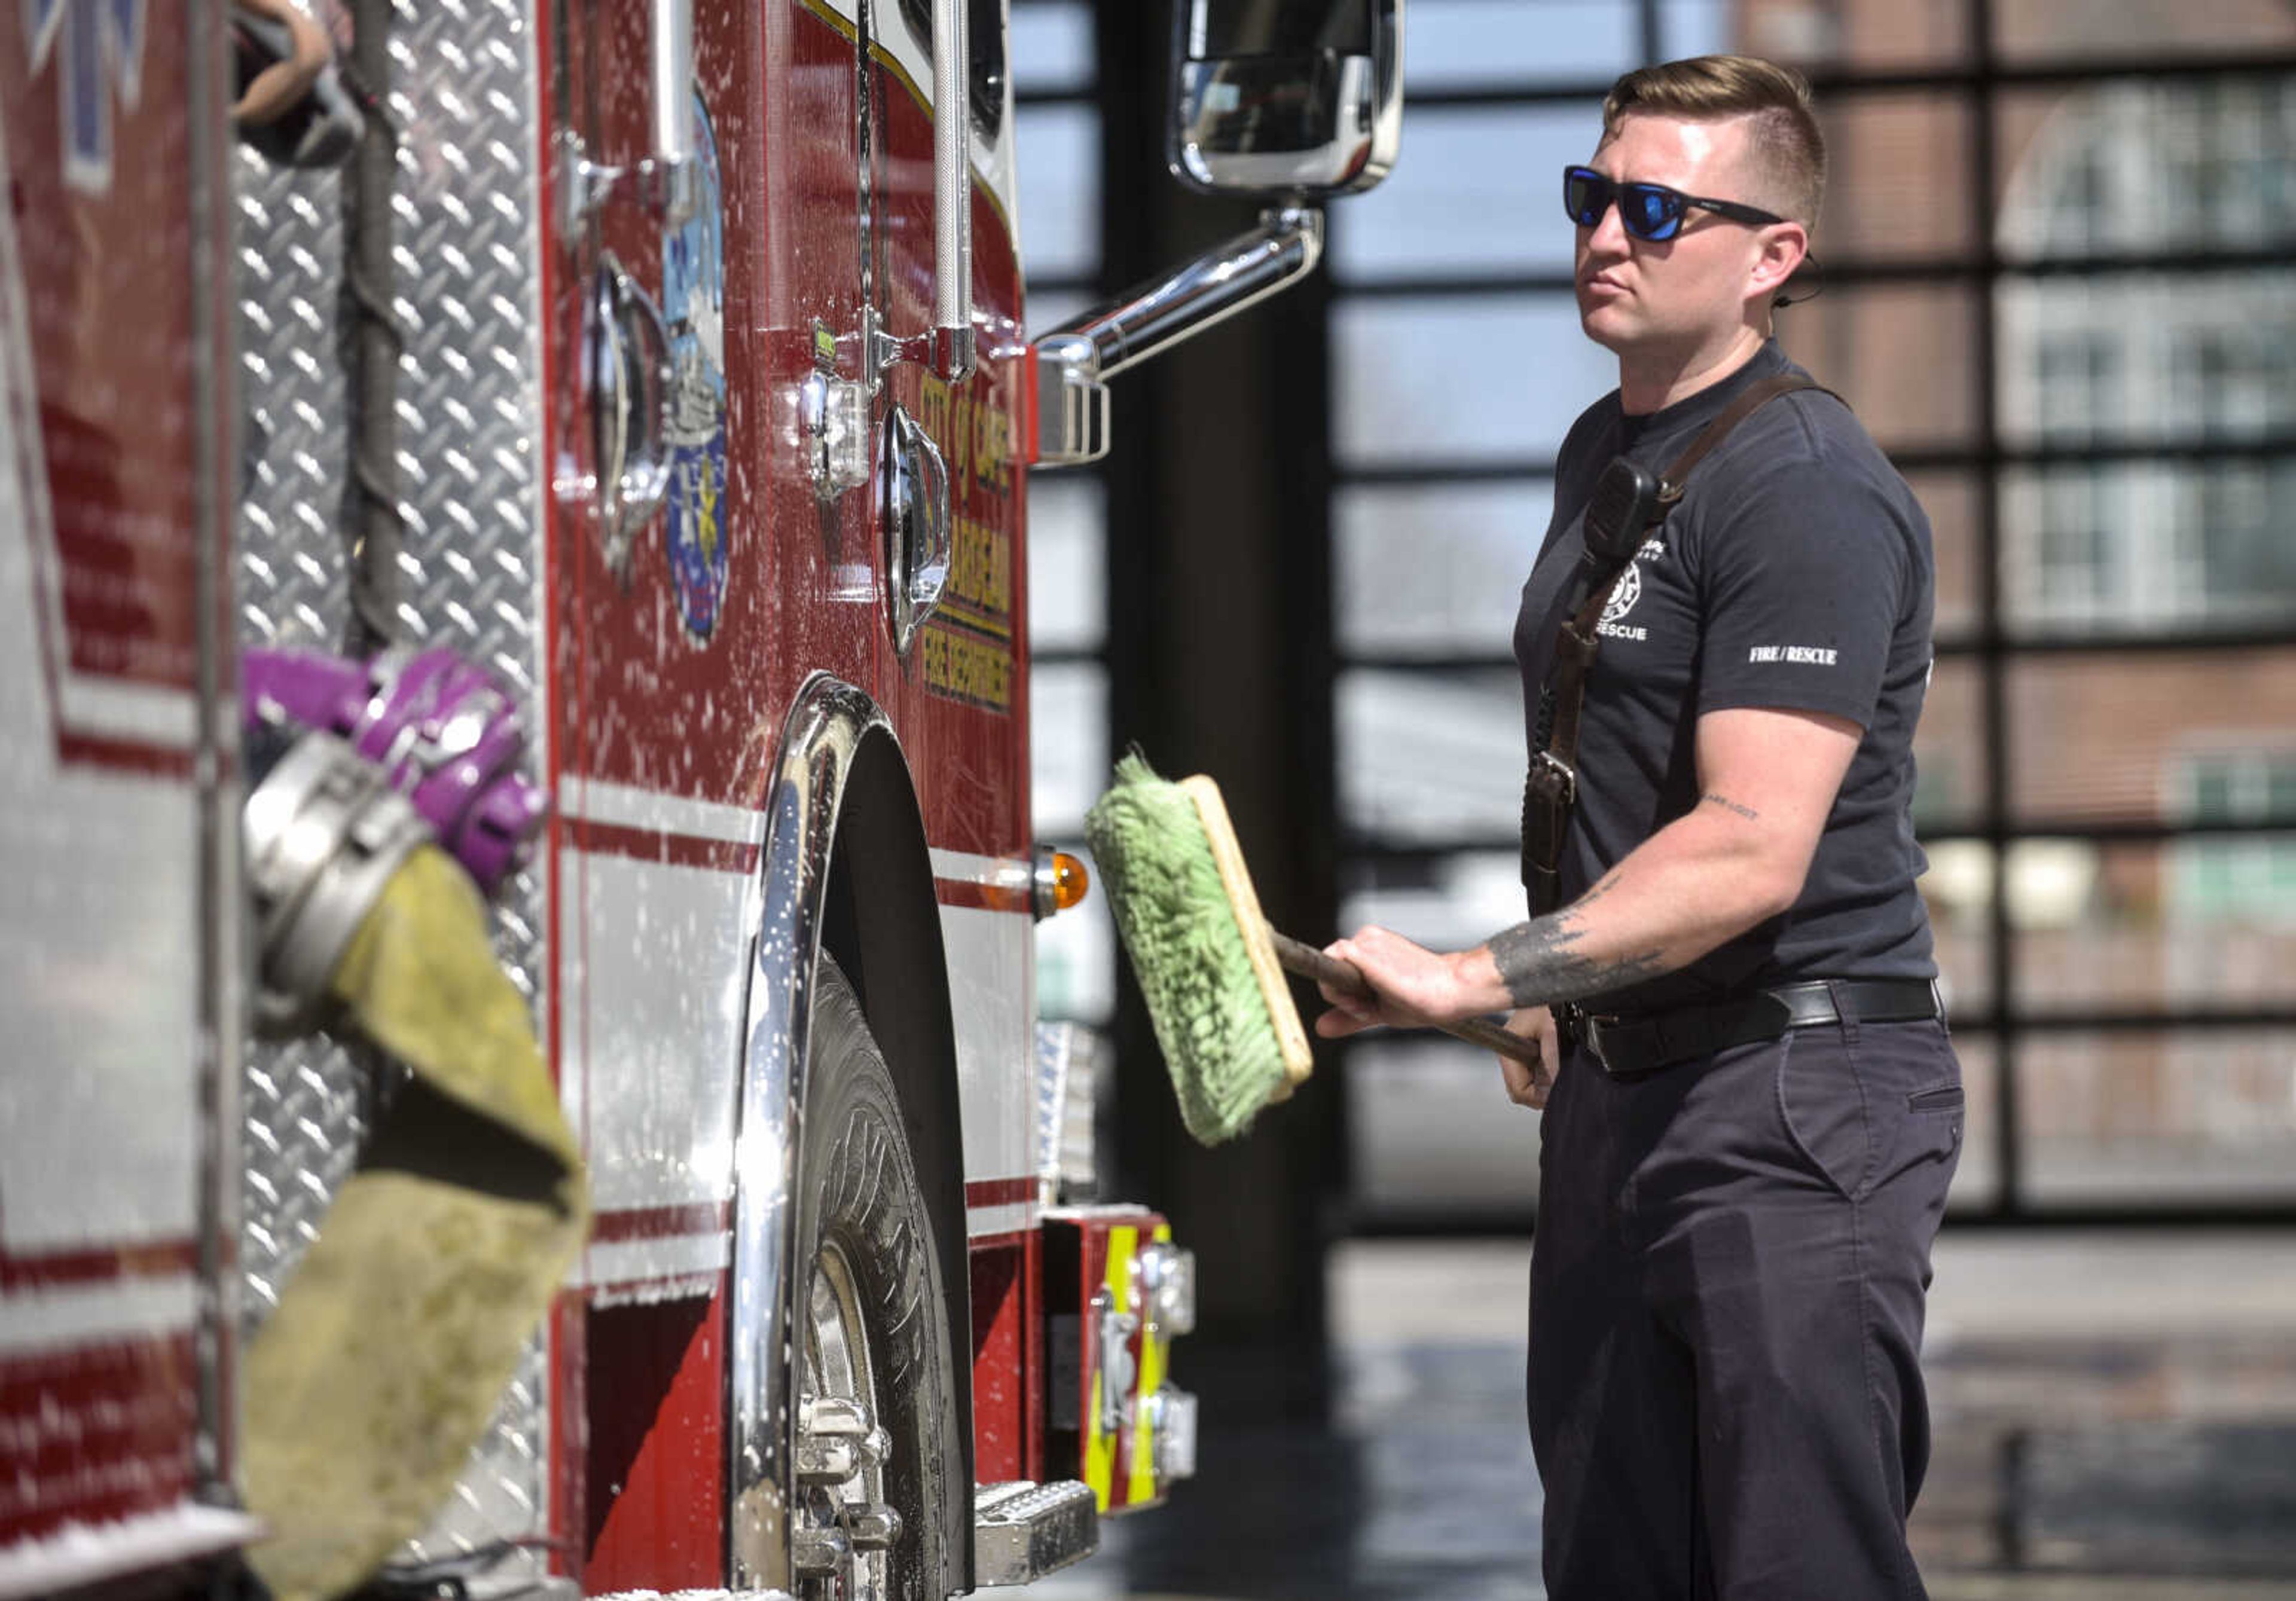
x: 304, y: 1109
x: 469, y: 422
x: 304, y: 1105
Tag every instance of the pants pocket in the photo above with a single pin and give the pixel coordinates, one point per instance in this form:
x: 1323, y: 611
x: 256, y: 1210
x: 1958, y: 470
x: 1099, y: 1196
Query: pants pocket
x: 1822, y: 1104
x: 1929, y: 1131
x: 1941, y: 1097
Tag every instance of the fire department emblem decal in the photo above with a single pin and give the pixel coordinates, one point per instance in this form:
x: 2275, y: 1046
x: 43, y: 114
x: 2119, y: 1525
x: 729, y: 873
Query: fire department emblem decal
x: 693, y: 303
x: 1625, y: 593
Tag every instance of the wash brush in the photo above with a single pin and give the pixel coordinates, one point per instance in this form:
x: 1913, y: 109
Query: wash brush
x: 1210, y: 967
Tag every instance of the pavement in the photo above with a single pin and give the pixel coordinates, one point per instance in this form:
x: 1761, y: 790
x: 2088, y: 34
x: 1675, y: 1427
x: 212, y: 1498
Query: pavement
x: 2114, y: 1414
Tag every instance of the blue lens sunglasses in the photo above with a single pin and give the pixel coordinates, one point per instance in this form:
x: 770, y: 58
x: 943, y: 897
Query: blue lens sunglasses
x: 1648, y: 211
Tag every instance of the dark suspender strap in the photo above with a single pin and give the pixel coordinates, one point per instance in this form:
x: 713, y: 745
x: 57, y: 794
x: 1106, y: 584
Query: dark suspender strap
x: 1551, y: 786
x: 1752, y: 400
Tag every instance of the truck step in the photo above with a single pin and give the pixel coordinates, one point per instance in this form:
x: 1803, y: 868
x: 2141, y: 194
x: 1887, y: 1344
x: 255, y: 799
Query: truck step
x: 1023, y: 1531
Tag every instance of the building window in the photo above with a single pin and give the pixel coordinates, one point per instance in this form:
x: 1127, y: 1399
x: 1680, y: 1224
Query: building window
x: 2078, y: 372
x: 2248, y: 561
x: 2125, y: 359
x: 2241, y: 879
x: 2223, y: 152
x: 2075, y: 581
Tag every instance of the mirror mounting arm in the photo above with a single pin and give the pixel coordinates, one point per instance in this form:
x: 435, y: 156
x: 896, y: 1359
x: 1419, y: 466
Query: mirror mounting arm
x: 1227, y: 278
x: 1074, y: 361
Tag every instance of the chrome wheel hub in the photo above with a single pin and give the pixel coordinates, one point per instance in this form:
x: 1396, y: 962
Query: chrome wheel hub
x: 845, y: 1530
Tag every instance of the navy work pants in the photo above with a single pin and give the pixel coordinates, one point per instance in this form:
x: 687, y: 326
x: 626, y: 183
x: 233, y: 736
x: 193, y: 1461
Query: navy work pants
x: 1725, y: 1316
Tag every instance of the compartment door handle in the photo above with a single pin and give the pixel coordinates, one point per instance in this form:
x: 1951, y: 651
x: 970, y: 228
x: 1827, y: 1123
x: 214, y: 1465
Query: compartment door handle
x: 912, y: 493
x: 628, y: 362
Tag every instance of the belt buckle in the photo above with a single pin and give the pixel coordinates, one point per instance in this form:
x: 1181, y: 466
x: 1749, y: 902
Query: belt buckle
x: 1587, y: 1029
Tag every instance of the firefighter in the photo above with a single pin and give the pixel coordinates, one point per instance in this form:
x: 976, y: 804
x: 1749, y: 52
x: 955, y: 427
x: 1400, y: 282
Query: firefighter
x: 1755, y: 1110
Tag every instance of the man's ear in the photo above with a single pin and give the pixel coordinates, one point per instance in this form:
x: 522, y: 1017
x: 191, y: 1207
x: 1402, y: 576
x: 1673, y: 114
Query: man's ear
x: 1784, y: 245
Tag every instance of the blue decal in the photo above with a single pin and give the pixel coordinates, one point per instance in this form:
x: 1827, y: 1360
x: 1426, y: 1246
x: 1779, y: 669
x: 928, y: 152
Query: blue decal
x: 96, y: 40
x: 694, y: 301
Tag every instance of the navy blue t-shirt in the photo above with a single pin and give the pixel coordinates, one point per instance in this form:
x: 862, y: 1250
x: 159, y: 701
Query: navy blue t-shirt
x: 1795, y: 573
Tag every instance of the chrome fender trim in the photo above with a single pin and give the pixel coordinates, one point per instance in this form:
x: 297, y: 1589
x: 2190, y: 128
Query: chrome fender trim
x: 824, y: 732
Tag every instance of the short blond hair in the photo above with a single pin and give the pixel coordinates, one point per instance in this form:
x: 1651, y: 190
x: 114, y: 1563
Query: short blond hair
x: 1787, y: 151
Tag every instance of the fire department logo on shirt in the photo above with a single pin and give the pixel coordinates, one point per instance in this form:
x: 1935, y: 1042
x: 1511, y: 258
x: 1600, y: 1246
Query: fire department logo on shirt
x: 693, y: 303
x: 1627, y: 591
x: 1624, y: 593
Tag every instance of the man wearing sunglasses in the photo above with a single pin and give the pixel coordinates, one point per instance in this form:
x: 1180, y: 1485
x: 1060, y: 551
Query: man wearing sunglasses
x: 1755, y: 1111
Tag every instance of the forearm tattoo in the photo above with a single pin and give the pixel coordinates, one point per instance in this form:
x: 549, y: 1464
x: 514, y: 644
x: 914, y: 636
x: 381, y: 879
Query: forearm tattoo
x: 1538, y: 966
x: 1728, y: 805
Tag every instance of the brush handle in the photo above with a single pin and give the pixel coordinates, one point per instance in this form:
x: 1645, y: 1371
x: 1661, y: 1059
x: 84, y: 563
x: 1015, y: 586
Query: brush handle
x: 1307, y: 962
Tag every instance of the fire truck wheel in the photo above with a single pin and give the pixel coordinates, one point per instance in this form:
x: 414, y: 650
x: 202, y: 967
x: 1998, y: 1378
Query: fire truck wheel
x: 875, y: 1402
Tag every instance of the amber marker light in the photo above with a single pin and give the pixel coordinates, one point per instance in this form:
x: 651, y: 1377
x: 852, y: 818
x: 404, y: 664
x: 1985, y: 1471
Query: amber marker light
x: 1061, y: 881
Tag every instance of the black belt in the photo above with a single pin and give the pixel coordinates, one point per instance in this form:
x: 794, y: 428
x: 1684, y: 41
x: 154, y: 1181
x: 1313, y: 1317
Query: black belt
x: 1626, y: 1047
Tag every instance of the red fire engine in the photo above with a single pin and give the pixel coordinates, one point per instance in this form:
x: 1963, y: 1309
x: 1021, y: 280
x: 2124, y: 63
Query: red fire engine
x: 632, y: 438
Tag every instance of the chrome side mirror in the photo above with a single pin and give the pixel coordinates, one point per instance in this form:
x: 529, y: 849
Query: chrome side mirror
x: 1295, y: 100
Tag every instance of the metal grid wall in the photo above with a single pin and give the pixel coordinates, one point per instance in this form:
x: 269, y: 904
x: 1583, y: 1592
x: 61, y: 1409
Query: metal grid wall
x: 2032, y: 1023
x: 1993, y: 644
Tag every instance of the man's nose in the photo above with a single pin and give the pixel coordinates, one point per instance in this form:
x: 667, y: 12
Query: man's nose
x: 1608, y: 236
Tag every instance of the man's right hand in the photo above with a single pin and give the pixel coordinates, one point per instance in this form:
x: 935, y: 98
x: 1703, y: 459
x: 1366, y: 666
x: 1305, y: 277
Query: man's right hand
x: 1529, y: 1084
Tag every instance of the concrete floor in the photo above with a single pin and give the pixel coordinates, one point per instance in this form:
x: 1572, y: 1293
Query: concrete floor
x: 2115, y: 1420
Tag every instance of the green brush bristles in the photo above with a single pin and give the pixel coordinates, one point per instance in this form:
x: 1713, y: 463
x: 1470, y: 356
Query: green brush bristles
x: 1172, y: 910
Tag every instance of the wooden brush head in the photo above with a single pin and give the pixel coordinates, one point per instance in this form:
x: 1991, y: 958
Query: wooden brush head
x: 1220, y: 834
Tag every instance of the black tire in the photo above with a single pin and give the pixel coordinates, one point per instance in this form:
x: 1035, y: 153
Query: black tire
x: 859, y: 1201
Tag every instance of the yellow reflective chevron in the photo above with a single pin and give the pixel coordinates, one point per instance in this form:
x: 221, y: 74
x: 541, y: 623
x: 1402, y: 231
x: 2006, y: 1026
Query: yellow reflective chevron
x: 1155, y: 1356
x: 1099, y: 1445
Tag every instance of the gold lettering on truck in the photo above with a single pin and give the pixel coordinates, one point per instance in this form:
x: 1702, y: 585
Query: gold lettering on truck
x: 964, y: 651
